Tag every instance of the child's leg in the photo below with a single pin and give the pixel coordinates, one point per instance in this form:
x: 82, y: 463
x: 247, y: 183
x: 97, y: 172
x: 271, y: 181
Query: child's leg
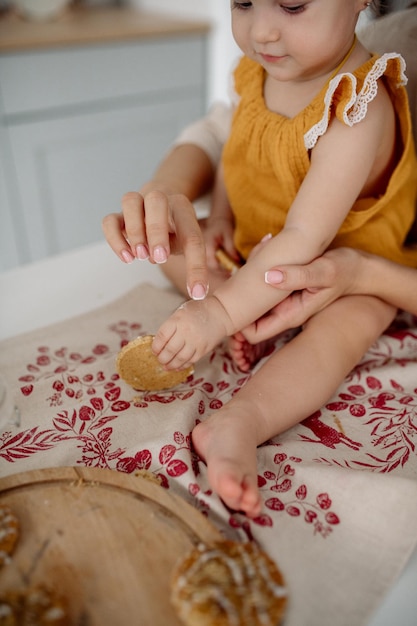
x: 297, y: 380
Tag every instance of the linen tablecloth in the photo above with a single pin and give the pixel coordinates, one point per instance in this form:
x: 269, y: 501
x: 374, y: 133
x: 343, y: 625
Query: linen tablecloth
x: 339, y: 490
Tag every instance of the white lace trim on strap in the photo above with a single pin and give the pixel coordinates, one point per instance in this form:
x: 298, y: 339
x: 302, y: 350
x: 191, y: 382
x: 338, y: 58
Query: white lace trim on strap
x: 356, y: 109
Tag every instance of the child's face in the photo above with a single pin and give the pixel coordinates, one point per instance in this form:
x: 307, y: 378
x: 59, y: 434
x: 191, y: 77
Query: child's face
x: 295, y: 40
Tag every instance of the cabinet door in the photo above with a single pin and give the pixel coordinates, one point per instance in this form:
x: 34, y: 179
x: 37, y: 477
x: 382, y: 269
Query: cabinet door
x: 73, y: 171
x: 10, y: 238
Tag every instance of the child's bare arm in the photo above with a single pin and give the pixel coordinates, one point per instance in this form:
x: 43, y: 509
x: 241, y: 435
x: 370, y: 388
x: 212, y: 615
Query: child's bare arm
x: 335, y: 180
x: 344, y: 162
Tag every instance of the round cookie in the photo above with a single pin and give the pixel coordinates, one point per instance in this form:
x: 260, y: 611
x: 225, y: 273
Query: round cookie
x: 9, y: 533
x: 228, y: 584
x: 37, y: 606
x: 138, y: 366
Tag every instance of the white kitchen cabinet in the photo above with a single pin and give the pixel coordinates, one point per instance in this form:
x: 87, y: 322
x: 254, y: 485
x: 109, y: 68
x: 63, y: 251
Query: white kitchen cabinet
x: 222, y: 49
x: 9, y: 251
x: 81, y: 125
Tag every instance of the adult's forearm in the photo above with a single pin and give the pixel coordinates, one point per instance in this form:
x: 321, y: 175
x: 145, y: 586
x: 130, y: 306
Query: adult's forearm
x: 396, y: 284
x: 186, y: 170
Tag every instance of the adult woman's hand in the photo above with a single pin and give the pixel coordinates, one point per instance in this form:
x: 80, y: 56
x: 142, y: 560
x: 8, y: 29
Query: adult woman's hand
x: 339, y: 272
x: 160, y: 219
x: 156, y: 225
x: 313, y: 286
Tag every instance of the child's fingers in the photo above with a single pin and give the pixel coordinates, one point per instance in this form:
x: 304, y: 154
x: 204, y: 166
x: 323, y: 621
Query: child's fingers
x: 229, y: 247
x: 167, y: 342
x: 175, y: 354
x: 162, y: 337
x: 181, y: 361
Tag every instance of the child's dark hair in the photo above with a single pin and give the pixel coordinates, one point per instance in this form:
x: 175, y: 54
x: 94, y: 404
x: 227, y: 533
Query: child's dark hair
x: 381, y: 7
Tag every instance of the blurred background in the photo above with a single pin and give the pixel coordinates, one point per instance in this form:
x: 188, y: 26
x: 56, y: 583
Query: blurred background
x: 92, y: 94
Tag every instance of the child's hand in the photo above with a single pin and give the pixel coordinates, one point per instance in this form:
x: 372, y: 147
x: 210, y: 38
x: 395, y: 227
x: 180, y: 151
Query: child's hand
x: 218, y: 233
x: 191, y: 332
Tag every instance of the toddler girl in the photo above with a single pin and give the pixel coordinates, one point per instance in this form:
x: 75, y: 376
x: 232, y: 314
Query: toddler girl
x: 320, y: 155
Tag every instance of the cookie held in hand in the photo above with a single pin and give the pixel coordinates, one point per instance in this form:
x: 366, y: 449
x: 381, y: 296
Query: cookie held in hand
x: 228, y: 583
x: 138, y: 366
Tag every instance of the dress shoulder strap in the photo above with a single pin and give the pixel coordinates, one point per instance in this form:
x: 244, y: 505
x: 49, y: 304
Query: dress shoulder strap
x: 350, y: 102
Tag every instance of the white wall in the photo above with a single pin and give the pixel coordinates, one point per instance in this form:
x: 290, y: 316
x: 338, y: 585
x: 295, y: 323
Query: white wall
x: 222, y: 49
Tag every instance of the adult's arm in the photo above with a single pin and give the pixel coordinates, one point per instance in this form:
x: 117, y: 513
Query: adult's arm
x: 160, y: 220
x: 339, y: 272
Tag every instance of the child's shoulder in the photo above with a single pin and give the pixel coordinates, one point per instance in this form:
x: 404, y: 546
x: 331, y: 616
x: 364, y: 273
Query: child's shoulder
x: 375, y: 81
x: 389, y: 65
x: 350, y: 94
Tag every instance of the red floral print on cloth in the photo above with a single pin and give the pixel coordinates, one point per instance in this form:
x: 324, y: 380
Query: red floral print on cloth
x: 387, y: 410
x: 101, y: 402
x: 294, y: 500
x: 391, y: 418
x: 87, y: 403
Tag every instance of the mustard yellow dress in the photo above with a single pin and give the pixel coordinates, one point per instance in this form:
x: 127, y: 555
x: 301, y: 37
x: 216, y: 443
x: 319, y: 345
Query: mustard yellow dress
x: 267, y: 156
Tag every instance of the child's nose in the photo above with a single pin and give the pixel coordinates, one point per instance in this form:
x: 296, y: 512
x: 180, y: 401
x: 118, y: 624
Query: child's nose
x: 265, y: 27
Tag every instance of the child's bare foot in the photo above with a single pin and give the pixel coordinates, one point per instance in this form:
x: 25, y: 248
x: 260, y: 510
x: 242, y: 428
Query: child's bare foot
x: 246, y: 354
x: 227, y: 444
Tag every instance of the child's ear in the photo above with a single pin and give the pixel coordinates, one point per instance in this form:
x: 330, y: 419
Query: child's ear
x: 362, y: 5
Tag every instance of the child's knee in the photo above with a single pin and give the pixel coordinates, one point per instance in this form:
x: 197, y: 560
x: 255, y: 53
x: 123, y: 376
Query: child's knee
x: 361, y: 318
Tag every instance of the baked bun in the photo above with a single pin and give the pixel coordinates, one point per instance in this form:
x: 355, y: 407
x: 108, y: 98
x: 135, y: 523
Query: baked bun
x: 36, y: 606
x: 138, y: 366
x: 228, y: 583
x: 9, y: 533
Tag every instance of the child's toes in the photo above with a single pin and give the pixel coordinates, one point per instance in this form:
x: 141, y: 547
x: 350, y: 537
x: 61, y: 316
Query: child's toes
x: 251, y: 502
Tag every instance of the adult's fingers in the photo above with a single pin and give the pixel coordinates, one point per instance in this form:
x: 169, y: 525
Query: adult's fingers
x: 147, y: 225
x: 142, y: 229
x: 134, y: 224
x: 114, y: 231
x: 316, y: 275
x: 286, y: 315
x: 158, y: 225
x: 191, y: 242
x: 292, y: 312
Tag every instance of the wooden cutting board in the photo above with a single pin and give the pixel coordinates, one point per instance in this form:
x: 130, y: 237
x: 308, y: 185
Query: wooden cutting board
x: 106, y: 541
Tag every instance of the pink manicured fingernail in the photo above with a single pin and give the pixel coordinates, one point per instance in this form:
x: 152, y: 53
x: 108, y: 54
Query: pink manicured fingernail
x: 274, y: 277
x: 198, y: 291
x: 127, y: 257
x: 160, y: 255
x: 142, y: 252
x: 266, y: 238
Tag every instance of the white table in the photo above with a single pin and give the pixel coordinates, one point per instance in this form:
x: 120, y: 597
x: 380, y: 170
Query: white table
x: 35, y: 295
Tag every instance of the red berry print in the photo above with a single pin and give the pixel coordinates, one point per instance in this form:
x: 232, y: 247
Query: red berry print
x: 324, y: 501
